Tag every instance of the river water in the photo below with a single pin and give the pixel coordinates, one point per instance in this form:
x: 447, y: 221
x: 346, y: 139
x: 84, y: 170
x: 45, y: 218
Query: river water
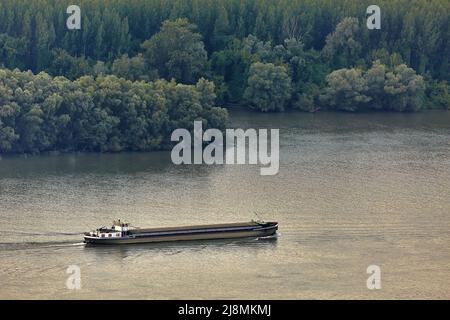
x: 353, y: 190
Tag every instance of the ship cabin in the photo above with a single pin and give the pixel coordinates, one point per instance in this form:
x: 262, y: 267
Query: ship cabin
x: 118, y: 230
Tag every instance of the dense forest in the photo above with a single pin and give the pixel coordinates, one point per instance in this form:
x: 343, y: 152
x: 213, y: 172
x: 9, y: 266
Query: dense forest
x: 137, y: 69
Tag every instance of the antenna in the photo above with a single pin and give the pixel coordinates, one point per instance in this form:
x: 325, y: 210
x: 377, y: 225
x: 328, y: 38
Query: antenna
x: 257, y: 216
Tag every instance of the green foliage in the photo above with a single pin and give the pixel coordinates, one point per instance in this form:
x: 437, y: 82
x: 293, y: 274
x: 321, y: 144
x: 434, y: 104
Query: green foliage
x: 67, y: 65
x: 343, y: 46
x: 12, y: 51
x: 346, y: 90
x: 103, y: 93
x: 232, y: 65
x: 404, y: 89
x: 416, y: 30
x: 396, y: 89
x: 134, y: 68
x: 438, y: 93
x: 40, y: 113
x: 176, y: 51
x: 269, y: 87
x: 307, y: 98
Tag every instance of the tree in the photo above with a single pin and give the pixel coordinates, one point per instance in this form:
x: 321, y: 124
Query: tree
x: 343, y: 45
x: 404, y: 89
x: 45, y: 36
x: 233, y: 65
x: 346, y: 90
x: 221, y: 28
x: 395, y: 89
x: 375, y: 79
x: 134, y: 68
x: 269, y: 87
x: 100, y: 68
x: 12, y: 51
x: 307, y: 99
x: 260, y: 50
x: 70, y: 66
x: 176, y: 51
x: 438, y: 93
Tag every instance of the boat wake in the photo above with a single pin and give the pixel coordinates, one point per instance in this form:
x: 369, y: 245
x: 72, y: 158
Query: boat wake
x: 30, y: 233
x: 76, y: 244
x: 275, y: 236
x: 11, y: 246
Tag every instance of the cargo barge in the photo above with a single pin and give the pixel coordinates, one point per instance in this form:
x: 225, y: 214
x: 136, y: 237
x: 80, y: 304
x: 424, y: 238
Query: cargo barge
x: 123, y: 233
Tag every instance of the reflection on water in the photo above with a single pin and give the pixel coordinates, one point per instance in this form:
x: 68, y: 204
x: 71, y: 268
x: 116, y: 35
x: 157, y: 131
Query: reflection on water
x: 172, y: 248
x: 353, y: 190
